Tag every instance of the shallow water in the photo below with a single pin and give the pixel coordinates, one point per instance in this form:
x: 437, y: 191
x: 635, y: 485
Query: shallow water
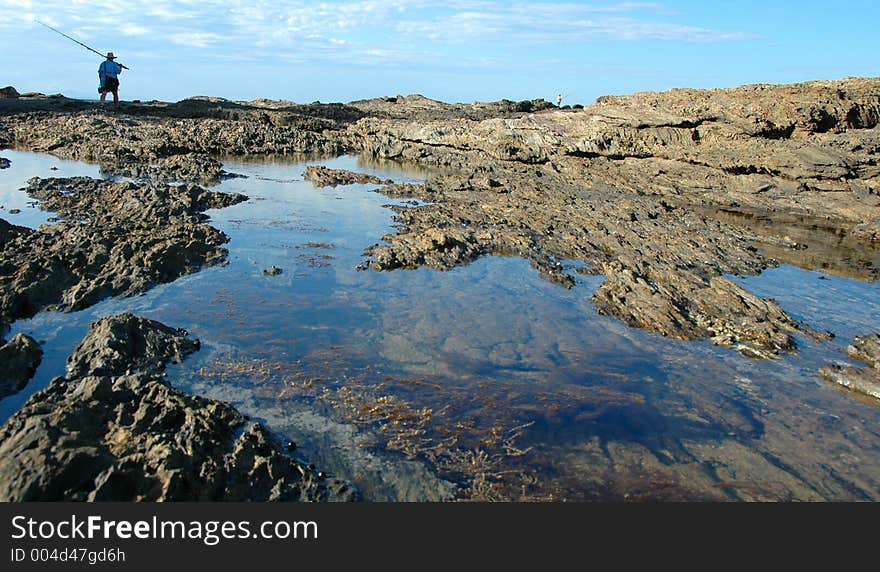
x: 486, y: 381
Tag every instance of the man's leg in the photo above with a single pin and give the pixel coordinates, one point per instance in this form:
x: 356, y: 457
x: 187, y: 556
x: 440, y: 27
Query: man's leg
x: 115, y: 99
x: 103, y: 96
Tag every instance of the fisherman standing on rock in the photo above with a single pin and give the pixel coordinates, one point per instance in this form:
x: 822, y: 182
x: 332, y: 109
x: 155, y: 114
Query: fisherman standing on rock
x: 108, y: 73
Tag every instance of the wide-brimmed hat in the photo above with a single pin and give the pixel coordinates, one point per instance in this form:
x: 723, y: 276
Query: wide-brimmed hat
x: 110, y: 56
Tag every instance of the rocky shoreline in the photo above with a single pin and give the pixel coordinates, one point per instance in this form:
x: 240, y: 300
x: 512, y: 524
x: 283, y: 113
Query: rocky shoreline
x: 112, y: 429
x: 19, y: 359
x: 114, y: 239
x: 644, y: 189
x: 667, y: 195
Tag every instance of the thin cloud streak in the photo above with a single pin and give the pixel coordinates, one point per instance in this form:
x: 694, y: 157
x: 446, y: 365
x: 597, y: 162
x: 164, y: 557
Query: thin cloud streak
x: 274, y: 23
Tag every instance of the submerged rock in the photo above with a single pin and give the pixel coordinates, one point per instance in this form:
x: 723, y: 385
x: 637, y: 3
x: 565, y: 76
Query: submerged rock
x: 113, y: 430
x: 865, y: 380
x: 19, y: 359
x: 5, y: 163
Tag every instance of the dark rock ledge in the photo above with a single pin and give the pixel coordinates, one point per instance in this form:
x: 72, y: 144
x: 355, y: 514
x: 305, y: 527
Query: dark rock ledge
x: 19, y: 359
x: 115, y: 239
x: 321, y: 176
x: 113, y: 430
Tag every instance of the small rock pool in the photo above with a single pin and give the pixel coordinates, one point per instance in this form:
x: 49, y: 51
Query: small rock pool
x: 485, y: 382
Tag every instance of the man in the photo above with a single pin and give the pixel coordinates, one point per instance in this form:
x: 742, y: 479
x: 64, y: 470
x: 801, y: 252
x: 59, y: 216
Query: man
x: 559, y: 100
x: 108, y: 73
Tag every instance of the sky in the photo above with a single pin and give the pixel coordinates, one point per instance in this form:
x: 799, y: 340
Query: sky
x: 451, y: 50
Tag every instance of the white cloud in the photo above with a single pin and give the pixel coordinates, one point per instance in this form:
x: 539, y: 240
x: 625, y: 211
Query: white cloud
x: 195, y: 39
x: 354, y: 28
x: 558, y: 23
x: 134, y: 30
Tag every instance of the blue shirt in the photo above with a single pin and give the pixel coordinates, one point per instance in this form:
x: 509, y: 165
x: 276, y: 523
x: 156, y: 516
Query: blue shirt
x: 108, y: 68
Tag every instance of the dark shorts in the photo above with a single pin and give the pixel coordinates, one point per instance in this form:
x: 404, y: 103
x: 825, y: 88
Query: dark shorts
x: 111, y: 84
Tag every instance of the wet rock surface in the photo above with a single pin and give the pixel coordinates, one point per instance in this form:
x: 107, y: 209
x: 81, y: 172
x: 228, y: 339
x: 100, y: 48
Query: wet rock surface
x: 323, y: 177
x: 866, y: 349
x: 113, y: 430
x: 19, y: 359
x: 116, y: 239
x: 5, y: 163
x: 631, y: 186
x: 864, y: 380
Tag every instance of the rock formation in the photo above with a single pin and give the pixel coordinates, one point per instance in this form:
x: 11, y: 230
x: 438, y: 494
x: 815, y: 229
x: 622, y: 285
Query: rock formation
x: 649, y: 190
x: 19, y: 359
x: 865, y: 380
x: 113, y: 430
x: 321, y: 176
x: 116, y: 239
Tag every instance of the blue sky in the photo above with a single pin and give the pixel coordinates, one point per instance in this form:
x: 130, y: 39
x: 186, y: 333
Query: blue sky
x: 453, y: 50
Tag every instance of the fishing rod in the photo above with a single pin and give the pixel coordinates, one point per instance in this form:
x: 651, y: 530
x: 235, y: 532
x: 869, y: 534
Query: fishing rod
x: 77, y: 41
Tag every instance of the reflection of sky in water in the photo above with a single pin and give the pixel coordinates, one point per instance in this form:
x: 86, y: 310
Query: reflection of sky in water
x: 614, y: 409
x: 845, y: 307
x: 24, y: 166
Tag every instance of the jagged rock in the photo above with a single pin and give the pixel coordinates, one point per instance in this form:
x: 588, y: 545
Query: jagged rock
x: 9, y: 91
x: 116, y: 239
x: 125, y: 343
x: 866, y: 349
x: 421, y: 108
x: 172, y: 141
x: 321, y: 176
x: 19, y: 359
x: 186, y: 167
x: 859, y: 379
x: 648, y: 190
x: 113, y: 430
x: 9, y: 232
x: 865, y: 380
